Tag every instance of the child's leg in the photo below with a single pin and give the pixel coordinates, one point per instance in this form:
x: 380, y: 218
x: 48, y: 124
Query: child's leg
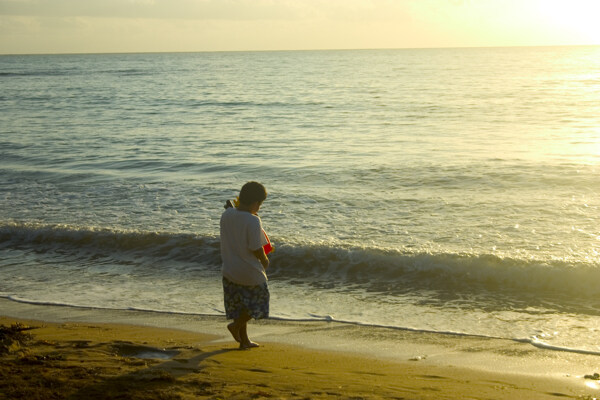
x: 234, y: 330
x: 239, y: 328
x: 237, y: 325
x: 245, y: 342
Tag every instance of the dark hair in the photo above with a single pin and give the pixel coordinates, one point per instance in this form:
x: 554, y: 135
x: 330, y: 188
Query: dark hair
x: 251, y: 192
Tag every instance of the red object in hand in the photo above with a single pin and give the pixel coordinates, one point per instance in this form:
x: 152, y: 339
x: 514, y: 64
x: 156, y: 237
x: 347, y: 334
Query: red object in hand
x: 268, y: 248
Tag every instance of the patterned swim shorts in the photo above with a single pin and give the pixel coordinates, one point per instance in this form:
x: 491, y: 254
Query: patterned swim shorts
x: 252, y: 299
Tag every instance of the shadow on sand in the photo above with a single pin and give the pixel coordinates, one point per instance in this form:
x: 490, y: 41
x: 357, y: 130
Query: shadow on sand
x: 161, y: 380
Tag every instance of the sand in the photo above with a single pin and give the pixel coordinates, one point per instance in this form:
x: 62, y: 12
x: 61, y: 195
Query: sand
x: 67, y: 357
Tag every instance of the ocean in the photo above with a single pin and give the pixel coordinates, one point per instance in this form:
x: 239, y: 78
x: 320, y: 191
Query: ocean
x: 438, y: 190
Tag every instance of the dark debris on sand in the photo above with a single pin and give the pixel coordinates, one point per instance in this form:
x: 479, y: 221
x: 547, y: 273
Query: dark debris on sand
x: 14, y: 337
x: 43, y: 370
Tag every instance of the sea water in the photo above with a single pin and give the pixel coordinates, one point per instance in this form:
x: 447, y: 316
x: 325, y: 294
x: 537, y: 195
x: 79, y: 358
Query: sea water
x: 444, y: 190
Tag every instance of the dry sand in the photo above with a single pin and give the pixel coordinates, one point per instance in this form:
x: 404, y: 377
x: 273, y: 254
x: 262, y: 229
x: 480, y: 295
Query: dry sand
x: 83, y: 360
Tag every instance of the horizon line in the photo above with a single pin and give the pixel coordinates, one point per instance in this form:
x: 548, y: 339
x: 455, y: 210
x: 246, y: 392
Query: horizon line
x: 294, y: 50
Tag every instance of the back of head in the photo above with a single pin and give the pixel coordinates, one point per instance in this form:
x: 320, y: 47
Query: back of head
x: 251, y: 192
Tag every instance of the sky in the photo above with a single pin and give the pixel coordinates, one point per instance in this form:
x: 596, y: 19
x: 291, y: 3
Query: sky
x: 115, y: 26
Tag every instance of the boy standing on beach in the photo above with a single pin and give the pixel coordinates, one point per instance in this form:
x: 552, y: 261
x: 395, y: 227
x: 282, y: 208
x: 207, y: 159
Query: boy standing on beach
x: 246, y: 292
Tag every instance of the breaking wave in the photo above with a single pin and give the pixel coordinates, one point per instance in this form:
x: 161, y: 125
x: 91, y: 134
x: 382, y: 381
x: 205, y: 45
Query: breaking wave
x: 376, y: 270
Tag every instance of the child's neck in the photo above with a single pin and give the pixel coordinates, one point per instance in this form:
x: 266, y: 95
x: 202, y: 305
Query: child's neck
x: 243, y: 207
x: 252, y: 208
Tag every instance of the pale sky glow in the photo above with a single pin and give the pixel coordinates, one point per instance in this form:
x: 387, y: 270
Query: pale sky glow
x: 101, y: 26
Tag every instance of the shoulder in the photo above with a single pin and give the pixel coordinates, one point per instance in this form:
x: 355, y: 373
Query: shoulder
x: 251, y: 219
x: 229, y: 215
x: 239, y: 216
x: 226, y: 213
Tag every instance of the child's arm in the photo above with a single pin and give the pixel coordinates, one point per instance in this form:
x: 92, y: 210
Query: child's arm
x: 262, y: 257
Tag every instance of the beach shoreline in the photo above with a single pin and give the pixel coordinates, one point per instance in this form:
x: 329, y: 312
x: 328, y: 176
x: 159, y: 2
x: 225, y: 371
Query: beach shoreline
x: 195, y: 356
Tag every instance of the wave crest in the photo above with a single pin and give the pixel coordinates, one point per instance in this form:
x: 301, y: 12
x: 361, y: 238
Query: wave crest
x: 388, y: 271
x: 375, y: 270
x: 156, y: 245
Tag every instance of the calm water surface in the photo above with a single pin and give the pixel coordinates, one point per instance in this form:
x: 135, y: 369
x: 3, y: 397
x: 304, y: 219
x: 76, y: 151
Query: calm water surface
x: 452, y: 190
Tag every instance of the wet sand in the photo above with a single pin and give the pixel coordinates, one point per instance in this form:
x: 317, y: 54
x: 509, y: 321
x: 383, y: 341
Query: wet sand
x: 78, y: 354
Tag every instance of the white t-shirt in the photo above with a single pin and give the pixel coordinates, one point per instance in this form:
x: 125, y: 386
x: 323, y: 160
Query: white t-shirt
x: 241, y: 234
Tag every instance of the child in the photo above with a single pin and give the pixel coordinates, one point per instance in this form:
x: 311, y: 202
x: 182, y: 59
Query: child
x: 245, y: 286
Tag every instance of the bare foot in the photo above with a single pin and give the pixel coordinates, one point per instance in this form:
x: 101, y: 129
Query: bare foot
x: 235, y: 333
x: 248, y: 345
